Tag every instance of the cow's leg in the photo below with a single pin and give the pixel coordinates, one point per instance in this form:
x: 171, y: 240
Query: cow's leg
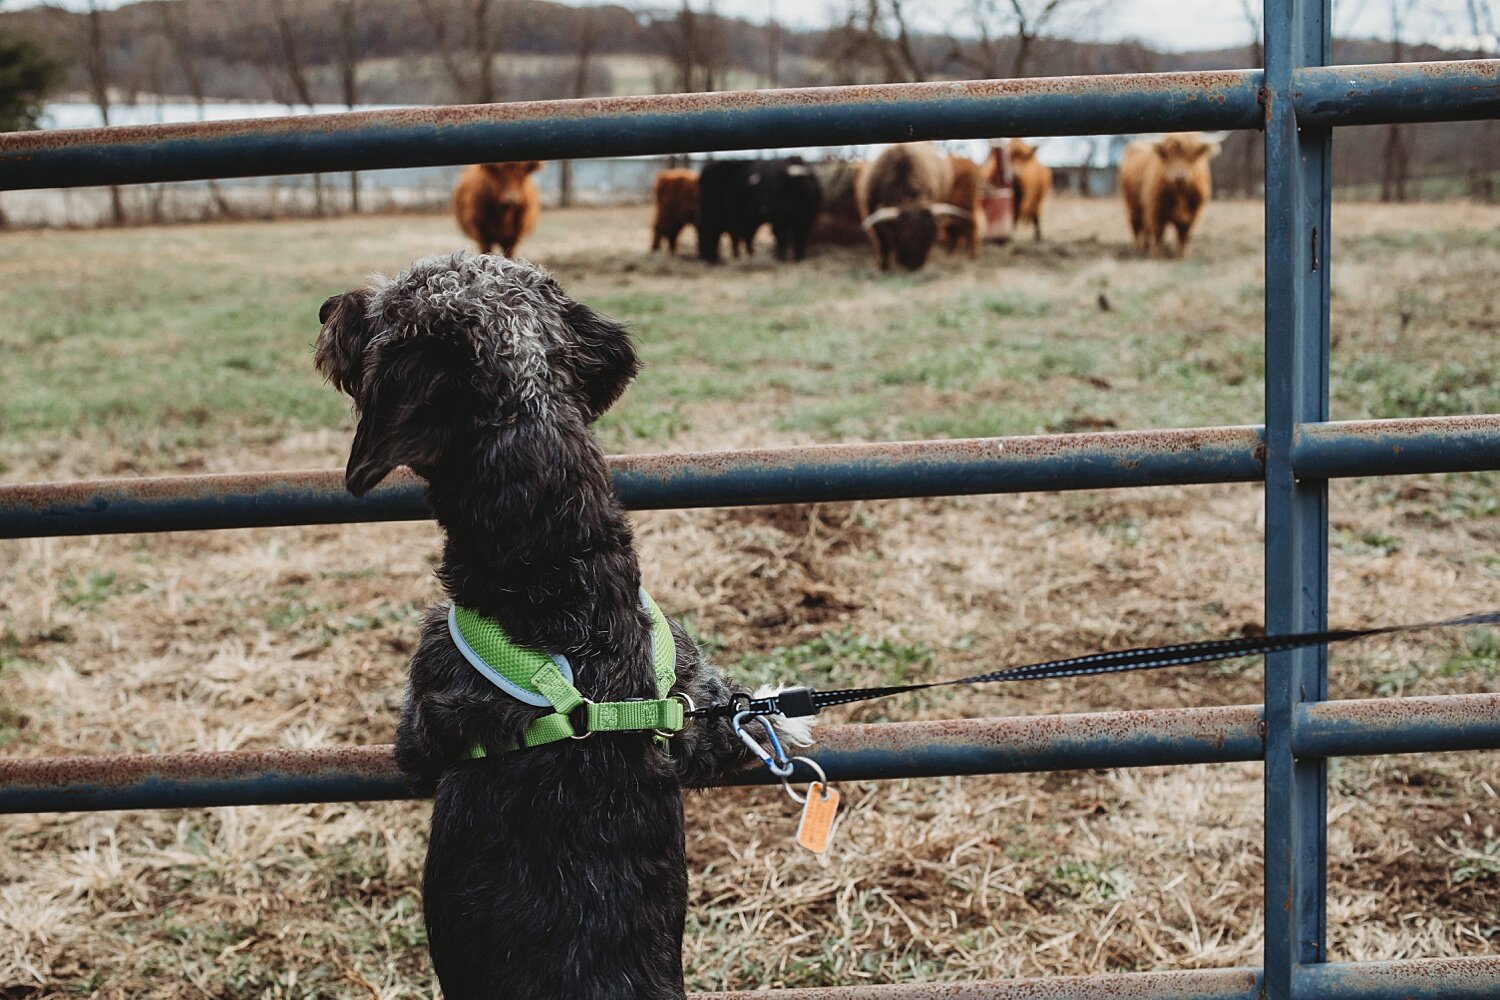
x: 1182, y: 239
x: 800, y: 231
x: 1157, y: 245
x: 656, y: 239
x: 1037, y: 222
x: 672, y: 242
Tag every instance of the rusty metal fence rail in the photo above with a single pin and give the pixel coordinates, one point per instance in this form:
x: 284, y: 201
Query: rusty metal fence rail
x: 1296, y: 101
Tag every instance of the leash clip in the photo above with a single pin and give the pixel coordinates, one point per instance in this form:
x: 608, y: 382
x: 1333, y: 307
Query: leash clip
x: 775, y: 759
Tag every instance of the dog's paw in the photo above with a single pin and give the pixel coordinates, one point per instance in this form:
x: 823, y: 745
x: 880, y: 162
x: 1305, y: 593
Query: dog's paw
x: 797, y: 732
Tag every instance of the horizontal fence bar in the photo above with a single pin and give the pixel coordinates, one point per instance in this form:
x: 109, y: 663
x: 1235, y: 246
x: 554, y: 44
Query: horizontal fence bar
x: 1346, y: 448
x: 1462, y: 90
x: 1475, y: 978
x: 1193, y: 984
x: 1423, y: 979
x: 1149, y: 738
x: 686, y: 123
x: 626, y: 126
x: 1397, y: 725
x: 822, y: 473
x: 648, y: 482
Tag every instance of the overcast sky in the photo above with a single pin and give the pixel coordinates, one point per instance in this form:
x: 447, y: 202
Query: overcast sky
x: 1167, y: 24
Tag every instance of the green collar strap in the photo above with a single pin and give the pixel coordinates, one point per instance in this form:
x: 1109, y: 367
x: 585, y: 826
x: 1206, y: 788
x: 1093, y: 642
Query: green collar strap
x: 546, y: 679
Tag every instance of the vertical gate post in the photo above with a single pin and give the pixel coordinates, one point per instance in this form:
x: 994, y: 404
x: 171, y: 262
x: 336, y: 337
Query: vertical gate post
x: 1297, y: 33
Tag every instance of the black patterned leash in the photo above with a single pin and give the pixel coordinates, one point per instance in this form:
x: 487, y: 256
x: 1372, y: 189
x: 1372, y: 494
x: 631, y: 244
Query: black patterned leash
x: 804, y: 701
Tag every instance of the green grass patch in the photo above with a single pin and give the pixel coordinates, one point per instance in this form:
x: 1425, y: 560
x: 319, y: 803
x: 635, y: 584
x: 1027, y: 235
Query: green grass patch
x: 842, y: 657
x: 1478, y: 656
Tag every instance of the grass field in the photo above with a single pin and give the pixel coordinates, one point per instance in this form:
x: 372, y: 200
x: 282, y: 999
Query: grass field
x: 151, y: 351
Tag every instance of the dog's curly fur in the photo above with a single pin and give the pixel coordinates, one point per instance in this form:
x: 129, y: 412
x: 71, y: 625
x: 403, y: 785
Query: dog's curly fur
x: 557, y: 872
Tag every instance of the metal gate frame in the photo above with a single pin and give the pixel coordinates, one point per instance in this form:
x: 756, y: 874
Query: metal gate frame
x: 1297, y: 100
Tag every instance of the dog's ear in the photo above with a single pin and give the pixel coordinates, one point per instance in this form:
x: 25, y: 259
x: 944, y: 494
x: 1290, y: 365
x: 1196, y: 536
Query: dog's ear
x: 408, y: 412
x: 602, y: 356
x: 347, y: 330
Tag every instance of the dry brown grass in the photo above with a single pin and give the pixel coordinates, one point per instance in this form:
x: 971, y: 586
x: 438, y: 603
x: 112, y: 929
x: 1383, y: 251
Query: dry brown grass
x: 298, y: 637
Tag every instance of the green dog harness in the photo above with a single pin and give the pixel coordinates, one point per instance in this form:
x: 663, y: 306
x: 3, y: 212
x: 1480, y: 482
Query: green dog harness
x: 546, y: 679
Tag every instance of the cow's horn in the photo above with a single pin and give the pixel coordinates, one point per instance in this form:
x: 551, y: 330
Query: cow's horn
x: 880, y: 215
x: 943, y: 208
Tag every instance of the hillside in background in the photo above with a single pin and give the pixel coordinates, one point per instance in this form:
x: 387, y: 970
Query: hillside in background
x: 427, y: 51
x: 298, y: 52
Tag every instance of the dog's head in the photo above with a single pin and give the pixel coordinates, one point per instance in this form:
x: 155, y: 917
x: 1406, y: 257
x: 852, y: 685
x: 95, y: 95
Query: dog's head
x: 461, y: 343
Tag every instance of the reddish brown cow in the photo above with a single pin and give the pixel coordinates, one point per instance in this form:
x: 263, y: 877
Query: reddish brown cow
x: 498, y: 203
x: 676, y: 194
x: 963, y: 193
x: 1165, y: 180
x: 1031, y: 184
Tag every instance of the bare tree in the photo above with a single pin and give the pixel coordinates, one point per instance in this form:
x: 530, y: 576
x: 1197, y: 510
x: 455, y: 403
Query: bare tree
x: 1031, y: 18
x: 177, y: 44
x: 773, y: 48
x: 695, y: 46
x: 96, y: 63
x: 582, y: 64
x: 287, y: 31
x: 875, y: 30
x: 1246, y: 161
x: 1006, y: 34
x: 1483, y: 167
x: 1395, y: 163
x: 475, y: 82
x: 348, y: 65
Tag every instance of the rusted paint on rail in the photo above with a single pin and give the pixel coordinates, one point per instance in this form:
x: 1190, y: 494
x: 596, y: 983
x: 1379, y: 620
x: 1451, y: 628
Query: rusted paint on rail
x: 1196, y: 984
x: 1419, y: 444
x: 785, y: 475
x: 1475, y: 978
x: 1399, y: 725
x: 623, y: 126
x: 703, y: 479
x: 1457, y: 90
x: 855, y: 752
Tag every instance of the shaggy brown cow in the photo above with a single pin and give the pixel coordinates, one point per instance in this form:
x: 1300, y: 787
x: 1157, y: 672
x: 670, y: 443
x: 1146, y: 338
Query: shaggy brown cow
x: 963, y: 193
x: 676, y: 194
x: 1030, y: 184
x: 498, y: 203
x: 899, y: 202
x: 1165, y: 180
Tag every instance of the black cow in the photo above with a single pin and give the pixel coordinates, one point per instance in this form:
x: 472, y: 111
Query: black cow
x: 739, y: 196
x: 725, y: 205
x: 788, y: 195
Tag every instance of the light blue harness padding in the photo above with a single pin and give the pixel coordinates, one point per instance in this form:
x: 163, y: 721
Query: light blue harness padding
x: 500, y: 681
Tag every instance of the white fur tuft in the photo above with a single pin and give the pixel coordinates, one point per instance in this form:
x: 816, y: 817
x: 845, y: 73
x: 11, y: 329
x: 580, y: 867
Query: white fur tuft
x: 797, y: 732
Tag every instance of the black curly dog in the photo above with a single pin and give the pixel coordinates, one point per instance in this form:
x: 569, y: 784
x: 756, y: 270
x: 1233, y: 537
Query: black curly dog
x: 558, y: 871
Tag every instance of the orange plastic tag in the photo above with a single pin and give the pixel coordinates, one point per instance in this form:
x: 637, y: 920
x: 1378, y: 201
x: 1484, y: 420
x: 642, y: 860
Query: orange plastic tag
x: 818, y: 814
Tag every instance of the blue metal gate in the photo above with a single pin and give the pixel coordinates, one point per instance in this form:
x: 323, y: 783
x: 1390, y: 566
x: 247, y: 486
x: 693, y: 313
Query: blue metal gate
x: 1297, y: 101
